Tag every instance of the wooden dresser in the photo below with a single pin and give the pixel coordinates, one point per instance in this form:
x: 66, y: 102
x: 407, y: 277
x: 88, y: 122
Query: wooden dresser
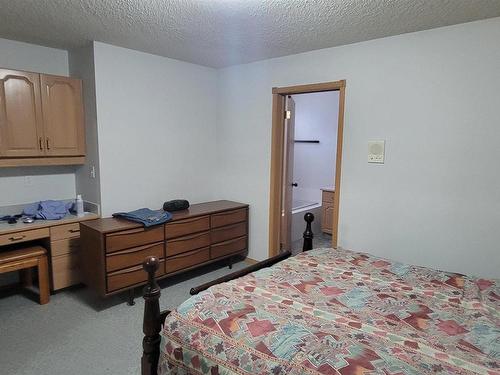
x: 115, y: 248
x: 327, y: 199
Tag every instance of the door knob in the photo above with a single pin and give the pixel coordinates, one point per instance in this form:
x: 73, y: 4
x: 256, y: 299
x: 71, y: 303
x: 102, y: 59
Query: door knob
x: 295, y: 184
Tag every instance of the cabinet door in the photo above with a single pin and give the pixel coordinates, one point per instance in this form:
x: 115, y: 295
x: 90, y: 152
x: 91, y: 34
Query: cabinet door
x: 62, y: 115
x: 21, y: 130
x: 327, y: 220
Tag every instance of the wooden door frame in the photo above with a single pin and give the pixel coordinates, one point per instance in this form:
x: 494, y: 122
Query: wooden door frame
x: 279, y: 94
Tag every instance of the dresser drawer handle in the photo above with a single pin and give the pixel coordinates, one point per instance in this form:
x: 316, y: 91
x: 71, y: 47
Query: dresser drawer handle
x: 189, y: 254
x: 74, y: 230
x: 184, y: 221
x: 135, y: 249
x: 227, y: 227
x: 226, y: 213
x: 126, y: 232
x: 187, y: 238
x: 18, y: 238
x: 228, y: 242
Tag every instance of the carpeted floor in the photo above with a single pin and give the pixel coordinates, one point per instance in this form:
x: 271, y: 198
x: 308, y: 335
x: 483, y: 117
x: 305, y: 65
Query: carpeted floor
x: 78, y: 333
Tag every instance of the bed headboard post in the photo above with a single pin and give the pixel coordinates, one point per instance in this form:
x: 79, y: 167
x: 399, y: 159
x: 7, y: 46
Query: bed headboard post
x: 308, y: 233
x: 151, y: 324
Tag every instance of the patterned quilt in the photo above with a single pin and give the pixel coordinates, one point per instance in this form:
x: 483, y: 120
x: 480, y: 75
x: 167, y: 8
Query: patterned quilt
x: 337, y: 312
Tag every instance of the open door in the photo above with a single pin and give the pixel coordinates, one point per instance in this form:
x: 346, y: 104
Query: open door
x: 280, y: 196
x: 287, y: 187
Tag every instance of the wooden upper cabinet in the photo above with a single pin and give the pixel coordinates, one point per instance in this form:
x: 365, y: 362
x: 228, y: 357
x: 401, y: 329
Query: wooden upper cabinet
x: 21, y: 124
x: 41, y: 119
x: 62, y: 115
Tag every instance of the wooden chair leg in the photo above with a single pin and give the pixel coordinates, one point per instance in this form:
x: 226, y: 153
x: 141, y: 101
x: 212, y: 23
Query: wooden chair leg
x: 43, y: 280
x: 27, y: 277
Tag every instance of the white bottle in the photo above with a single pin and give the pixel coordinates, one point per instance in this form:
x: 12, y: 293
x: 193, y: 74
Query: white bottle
x: 79, y: 205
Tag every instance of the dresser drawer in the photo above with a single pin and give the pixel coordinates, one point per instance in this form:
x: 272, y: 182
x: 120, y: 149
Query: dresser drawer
x: 228, y: 247
x: 133, y: 237
x: 61, y: 247
x: 228, y: 217
x: 62, y: 232
x: 27, y: 235
x: 327, y: 196
x: 131, y: 276
x: 187, y: 226
x: 185, y: 260
x: 133, y: 257
x: 229, y: 232
x: 187, y: 243
x: 65, y: 270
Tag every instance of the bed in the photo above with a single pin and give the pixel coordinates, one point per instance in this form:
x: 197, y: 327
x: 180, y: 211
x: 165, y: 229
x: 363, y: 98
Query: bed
x: 330, y: 311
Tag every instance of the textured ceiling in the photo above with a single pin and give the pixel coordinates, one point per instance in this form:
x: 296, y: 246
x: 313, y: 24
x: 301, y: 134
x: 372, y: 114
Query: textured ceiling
x: 225, y: 32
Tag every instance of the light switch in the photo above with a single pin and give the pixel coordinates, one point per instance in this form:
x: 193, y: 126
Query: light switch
x: 376, y: 151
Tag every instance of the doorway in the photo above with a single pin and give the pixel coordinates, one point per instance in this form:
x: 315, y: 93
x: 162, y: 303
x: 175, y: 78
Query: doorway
x: 305, y: 162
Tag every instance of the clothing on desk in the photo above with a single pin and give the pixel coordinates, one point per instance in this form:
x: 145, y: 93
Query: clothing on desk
x: 146, y: 216
x: 48, y: 210
x: 11, y: 219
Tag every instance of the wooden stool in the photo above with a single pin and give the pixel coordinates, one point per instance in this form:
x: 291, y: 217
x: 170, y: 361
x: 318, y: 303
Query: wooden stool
x: 24, y: 259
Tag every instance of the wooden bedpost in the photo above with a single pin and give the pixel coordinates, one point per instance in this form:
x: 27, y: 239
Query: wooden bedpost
x: 308, y: 234
x: 152, y: 323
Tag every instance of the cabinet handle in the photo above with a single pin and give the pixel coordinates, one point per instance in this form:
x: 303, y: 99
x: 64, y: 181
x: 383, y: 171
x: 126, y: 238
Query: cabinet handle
x: 40, y: 143
x: 74, y: 230
x: 48, y: 144
x: 16, y: 238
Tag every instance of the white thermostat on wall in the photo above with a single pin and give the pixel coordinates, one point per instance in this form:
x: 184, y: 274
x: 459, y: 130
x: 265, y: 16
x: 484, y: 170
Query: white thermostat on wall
x: 376, y: 151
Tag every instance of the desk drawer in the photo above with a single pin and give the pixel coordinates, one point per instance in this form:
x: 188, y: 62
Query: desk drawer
x: 131, y: 276
x: 229, y: 232
x: 27, y: 235
x: 187, y: 226
x: 67, y: 246
x: 228, y: 247
x: 228, y: 217
x: 186, y: 260
x: 62, y: 232
x: 65, y: 270
x: 133, y: 237
x: 133, y: 257
x: 187, y: 243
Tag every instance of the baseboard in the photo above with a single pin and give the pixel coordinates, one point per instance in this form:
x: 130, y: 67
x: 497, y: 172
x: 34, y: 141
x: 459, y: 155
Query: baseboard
x: 250, y: 261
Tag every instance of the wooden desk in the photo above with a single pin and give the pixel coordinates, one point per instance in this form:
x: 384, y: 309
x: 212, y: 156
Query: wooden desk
x: 115, y: 248
x: 61, y: 238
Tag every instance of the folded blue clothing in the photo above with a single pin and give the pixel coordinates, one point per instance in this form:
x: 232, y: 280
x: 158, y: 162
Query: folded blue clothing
x: 48, y: 210
x: 146, y: 216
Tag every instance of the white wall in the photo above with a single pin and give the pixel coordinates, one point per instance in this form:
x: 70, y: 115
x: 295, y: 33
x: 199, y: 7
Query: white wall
x: 156, y: 126
x: 33, y: 58
x: 81, y: 65
x: 316, y: 118
x: 46, y: 182
x: 434, y: 96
